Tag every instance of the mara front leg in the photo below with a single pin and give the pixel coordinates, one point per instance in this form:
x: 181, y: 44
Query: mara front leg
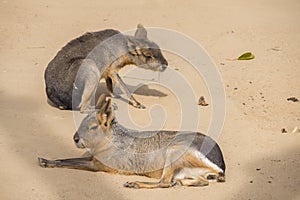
x: 132, y: 101
x: 86, y: 163
x: 87, y: 79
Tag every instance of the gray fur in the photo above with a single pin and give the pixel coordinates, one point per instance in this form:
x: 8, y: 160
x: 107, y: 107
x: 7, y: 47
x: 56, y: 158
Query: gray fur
x: 169, y: 155
x: 73, y: 75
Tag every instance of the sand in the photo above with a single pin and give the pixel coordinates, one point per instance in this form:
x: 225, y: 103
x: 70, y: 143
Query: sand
x: 262, y: 162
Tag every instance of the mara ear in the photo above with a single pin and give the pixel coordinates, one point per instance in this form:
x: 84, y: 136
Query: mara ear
x: 133, y: 48
x: 109, y: 113
x: 105, y: 114
x: 141, y: 32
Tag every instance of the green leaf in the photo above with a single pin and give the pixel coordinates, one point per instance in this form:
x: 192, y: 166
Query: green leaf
x: 246, y: 56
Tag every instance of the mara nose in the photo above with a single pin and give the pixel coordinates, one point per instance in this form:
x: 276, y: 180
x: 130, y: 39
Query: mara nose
x: 165, y: 63
x: 76, y: 138
x: 163, y: 68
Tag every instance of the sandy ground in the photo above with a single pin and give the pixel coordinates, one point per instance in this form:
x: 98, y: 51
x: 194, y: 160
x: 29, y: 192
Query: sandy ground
x: 262, y: 162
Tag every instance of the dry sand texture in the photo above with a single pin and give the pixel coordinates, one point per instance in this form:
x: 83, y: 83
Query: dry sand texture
x: 262, y: 162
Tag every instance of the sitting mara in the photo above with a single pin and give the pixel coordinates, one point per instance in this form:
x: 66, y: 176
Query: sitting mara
x: 74, y: 73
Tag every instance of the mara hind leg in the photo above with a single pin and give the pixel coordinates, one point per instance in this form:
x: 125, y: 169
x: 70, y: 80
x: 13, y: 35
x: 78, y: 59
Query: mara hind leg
x: 85, y: 163
x: 166, y: 179
x: 200, y: 167
x: 88, y: 80
x: 192, y: 182
x: 87, y: 96
x: 198, y: 176
x: 221, y: 177
x: 109, y: 85
x: 132, y: 101
x: 164, y: 182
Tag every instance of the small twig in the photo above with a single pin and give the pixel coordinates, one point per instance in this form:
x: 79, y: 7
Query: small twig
x: 231, y: 59
x: 138, y: 78
x: 37, y: 47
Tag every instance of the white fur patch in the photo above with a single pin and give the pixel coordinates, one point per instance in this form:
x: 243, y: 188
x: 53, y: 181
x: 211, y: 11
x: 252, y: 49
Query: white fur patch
x: 191, y: 173
x: 207, y: 161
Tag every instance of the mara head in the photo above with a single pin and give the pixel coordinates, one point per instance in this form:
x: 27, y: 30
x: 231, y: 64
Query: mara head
x: 94, y: 129
x: 145, y: 53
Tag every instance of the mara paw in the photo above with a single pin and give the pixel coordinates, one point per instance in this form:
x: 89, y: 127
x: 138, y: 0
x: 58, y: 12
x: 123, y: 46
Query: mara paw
x: 43, y: 162
x: 131, y: 185
x: 138, y: 105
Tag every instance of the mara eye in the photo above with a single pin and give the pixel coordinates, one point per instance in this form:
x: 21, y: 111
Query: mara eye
x: 147, y: 54
x: 93, y: 127
x: 148, y: 58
